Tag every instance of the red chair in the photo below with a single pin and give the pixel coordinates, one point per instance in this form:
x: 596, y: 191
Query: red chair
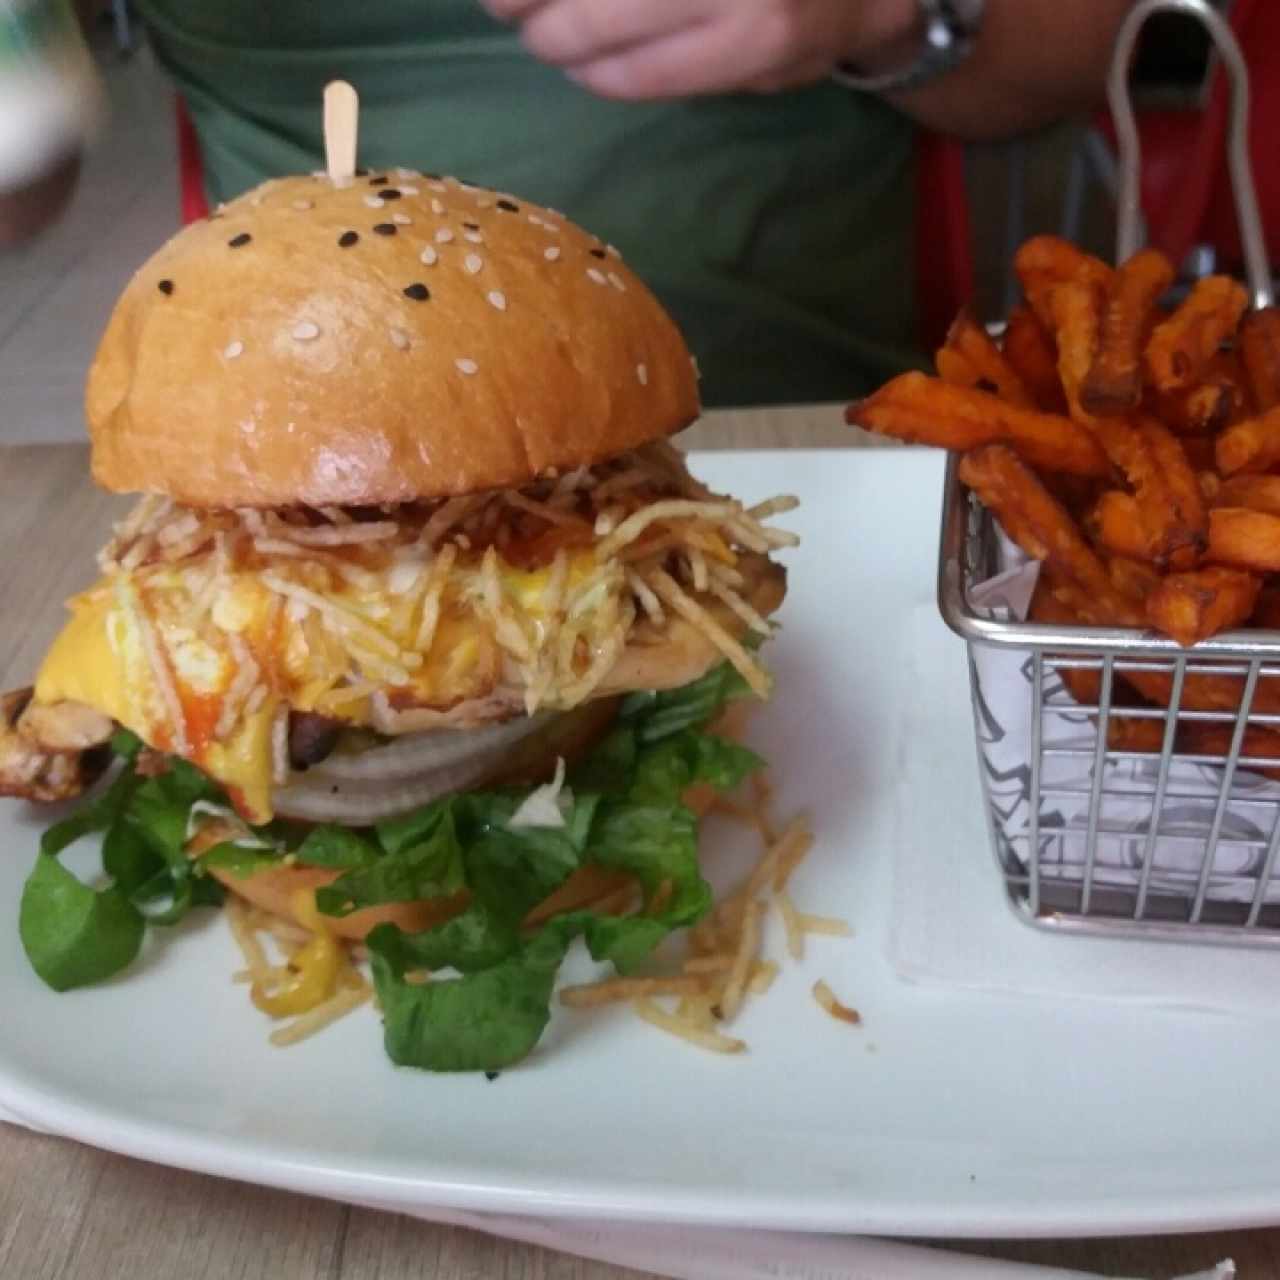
x: 944, y: 258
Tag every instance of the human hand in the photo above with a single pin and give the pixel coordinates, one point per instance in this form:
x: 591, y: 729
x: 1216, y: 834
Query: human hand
x: 677, y: 48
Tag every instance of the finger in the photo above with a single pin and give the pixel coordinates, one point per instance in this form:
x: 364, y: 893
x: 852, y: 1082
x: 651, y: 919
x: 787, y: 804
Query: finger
x: 567, y: 32
x: 713, y: 58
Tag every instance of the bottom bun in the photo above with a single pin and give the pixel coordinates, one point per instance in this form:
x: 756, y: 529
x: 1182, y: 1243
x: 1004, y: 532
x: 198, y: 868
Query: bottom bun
x: 275, y: 890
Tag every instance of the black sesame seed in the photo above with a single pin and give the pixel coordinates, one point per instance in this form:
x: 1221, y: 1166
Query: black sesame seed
x: 165, y: 287
x: 491, y: 1076
x: 360, y: 173
x: 236, y: 241
x: 418, y: 292
x: 347, y: 239
x: 472, y: 226
x: 389, y: 193
x: 380, y: 181
x: 596, y: 253
x: 384, y: 228
x: 508, y: 206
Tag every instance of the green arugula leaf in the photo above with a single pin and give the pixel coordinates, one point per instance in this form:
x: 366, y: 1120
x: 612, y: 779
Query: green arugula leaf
x: 339, y: 848
x: 470, y: 941
x: 236, y: 860
x: 96, y: 814
x: 483, y: 1021
x: 429, y: 868
x: 72, y: 934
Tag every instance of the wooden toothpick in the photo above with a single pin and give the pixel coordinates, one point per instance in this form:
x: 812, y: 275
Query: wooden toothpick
x: 341, y: 115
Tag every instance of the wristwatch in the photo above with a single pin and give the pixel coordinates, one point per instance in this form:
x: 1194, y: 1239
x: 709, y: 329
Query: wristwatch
x: 949, y: 31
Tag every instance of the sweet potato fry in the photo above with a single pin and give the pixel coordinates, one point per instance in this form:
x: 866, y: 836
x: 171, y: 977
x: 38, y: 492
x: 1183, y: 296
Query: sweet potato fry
x: 1186, y: 525
x: 1113, y: 383
x: 969, y: 340
x: 1116, y: 524
x: 1266, y: 613
x: 954, y: 367
x: 1251, y: 445
x: 1190, y: 607
x: 1257, y: 493
x: 916, y: 408
x: 1181, y: 347
x: 1076, y: 311
x: 1201, y: 410
x: 1245, y: 539
x: 1084, y: 685
x: 1141, y: 734
x: 1044, y: 262
x: 1205, y: 738
x: 1042, y: 527
x: 1163, y: 520
x: 1133, y: 577
x: 1260, y: 355
x: 1029, y: 349
x: 1200, y: 454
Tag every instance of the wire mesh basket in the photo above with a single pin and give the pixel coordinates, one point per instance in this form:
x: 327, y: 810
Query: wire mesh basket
x: 1102, y: 819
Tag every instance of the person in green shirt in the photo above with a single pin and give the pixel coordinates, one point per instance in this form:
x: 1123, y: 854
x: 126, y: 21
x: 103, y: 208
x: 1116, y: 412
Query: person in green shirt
x: 767, y: 203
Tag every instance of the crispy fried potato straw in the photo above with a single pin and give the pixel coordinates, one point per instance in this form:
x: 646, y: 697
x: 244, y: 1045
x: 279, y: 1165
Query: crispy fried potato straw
x: 1042, y: 527
x: 1181, y: 348
x: 1190, y: 607
x: 920, y: 409
x: 1259, y: 343
x: 1113, y: 383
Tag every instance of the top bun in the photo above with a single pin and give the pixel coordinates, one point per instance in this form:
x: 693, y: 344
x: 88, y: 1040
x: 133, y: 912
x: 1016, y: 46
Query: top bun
x: 400, y: 337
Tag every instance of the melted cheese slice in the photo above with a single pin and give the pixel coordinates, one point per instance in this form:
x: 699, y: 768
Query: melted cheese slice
x: 98, y: 659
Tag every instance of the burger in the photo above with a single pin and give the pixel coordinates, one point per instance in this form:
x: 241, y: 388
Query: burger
x: 420, y: 642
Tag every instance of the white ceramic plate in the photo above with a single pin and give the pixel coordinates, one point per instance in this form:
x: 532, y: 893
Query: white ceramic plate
x: 948, y: 1112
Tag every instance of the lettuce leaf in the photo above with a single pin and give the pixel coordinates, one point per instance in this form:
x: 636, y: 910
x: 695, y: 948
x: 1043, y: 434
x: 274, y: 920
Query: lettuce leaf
x: 483, y: 1021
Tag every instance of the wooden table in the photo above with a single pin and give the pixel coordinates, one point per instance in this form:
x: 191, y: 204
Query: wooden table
x: 72, y: 1211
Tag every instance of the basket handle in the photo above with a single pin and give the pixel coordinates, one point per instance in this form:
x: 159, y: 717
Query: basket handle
x: 1129, y: 228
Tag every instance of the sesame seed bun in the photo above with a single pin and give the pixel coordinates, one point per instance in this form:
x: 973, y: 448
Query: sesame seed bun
x: 402, y: 337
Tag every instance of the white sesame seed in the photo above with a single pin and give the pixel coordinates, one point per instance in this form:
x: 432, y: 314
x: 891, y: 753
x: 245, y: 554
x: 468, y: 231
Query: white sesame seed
x: 483, y: 202
x: 400, y: 339
x: 612, y: 252
x: 466, y: 366
x: 409, y: 191
x: 616, y: 280
x: 401, y: 172
x: 498, y: 299
x: 429, y: 256
x: 697, y: 373
x: 437, y: 206
x: 319, y: 173
x: 473, y: 262
x: 537, y: 221
x: 473, y: 236
x: 374, y: 202
x: 233, y: 350
x: 302, y: 204
x: 444, y: 235
x: 550, y: 226
x: 466, y: 186
x: 551, y: 254
x: 437, y: 186
x: 402, y: 219
x: 305, y: 331
x: 597, y: 276
x: 642, y: 374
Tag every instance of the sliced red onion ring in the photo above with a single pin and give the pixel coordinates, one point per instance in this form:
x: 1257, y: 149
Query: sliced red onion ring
x: 361, y: 787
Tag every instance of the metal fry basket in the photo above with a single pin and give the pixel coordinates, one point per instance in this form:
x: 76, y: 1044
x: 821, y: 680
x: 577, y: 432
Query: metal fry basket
x: 1091, y: 837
